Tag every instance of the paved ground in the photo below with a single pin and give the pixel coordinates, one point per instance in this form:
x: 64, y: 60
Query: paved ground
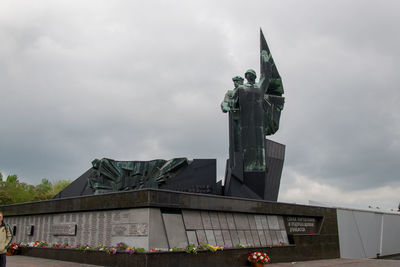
x: 395, y: 257
x: 24, y: 261
x: 340, y: 263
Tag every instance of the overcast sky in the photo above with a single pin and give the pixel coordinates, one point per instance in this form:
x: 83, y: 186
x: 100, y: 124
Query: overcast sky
x: 141, y: 80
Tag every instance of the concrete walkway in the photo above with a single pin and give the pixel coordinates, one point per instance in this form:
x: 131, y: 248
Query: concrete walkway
x: 340, y: 263
x: 24, y: 261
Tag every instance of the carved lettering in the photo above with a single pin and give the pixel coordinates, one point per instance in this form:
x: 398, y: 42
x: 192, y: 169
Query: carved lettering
x: 203, y: 189
x: 130, y: 229
x: 139, y: 229
x: 63, y: 229
x: 302, y: 225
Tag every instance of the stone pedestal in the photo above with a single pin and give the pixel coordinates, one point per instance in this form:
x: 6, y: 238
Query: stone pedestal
x: 255, y: 184
x: 167, y: 219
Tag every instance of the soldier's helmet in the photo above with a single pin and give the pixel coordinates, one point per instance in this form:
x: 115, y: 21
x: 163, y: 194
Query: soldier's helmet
x: 237, y: 79
x: 252, y: 72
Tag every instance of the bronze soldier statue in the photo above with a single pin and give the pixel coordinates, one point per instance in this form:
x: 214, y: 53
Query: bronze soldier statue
x: 254, y: 112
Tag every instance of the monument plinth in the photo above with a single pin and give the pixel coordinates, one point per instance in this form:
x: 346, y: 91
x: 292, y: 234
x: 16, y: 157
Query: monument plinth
x: 153, y: 218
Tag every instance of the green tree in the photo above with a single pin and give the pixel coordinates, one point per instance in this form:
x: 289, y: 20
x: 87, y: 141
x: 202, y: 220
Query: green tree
x: 19, y: 192
x: 12, y: 179
x: 5, y: 198
x: 44, y: 187
x: 43, y: 190
x: 12, y: 190
x: 59, y: 186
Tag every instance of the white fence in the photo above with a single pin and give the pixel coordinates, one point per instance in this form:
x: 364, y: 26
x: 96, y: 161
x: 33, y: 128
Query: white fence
x: 365, y: 234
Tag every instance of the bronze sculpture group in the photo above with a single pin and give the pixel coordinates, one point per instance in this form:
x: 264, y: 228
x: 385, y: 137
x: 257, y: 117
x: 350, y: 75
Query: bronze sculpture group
x: 254, y: 110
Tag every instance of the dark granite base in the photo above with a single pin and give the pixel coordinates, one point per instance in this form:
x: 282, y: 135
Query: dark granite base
x: 320, y: 242
x: 228, y: 257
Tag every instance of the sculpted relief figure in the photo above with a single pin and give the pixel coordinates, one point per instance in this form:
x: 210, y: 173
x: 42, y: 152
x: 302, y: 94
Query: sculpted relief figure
x: 110, y: 175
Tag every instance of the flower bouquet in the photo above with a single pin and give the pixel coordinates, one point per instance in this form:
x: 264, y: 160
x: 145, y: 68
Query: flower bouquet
x: 13, y: 249
x: 258, y: 259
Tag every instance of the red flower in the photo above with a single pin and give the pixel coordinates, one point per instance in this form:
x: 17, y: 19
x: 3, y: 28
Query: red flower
x: 259, y: 257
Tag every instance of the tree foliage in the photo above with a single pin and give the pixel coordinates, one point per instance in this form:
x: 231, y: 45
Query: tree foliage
x: 12, y: 190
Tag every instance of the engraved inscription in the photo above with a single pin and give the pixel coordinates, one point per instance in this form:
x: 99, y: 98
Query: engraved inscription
x: 199, y: 188
x: 63, y: 229
x: 117, y: 217
x: 301, y: 225
x: 120, y: 217
x: 68, y: 217
x: 119, y: 230
x: 131, y: 229
x: 138, y: 229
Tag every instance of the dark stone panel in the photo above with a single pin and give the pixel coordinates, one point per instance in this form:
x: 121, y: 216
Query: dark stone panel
x: 222, y: 220
x: 165, y: 199
x: 249, y: 238
x: 101, y: 227
x: 258, y: 222
x: 192, y: 238
x: 214, y: 220
x: 268, y: 237
x: 256, y: 184
x: 255, y: 181
x: 205, y: 218
x: 252, y: 221
x: 242, y: 237
x: 192, y: 219
x: 79, y: 187
x: 261, y: 235
x: 264, y: 222
x: 274, y: 237
x: 219, y: 240
x: 256, y: 238
x: 235, y: 237
x: 198, y: 177
x: 41, y: 228
x: 274, y: 157
x: 230, y: 221
x: 281, y: 223
x: 201, y: 236
x: 88, y: 257
x: 227, y: 257
x: 227, y: 238
x: 210, y: 237
x: 241, y: 221
x: 323, y: 245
